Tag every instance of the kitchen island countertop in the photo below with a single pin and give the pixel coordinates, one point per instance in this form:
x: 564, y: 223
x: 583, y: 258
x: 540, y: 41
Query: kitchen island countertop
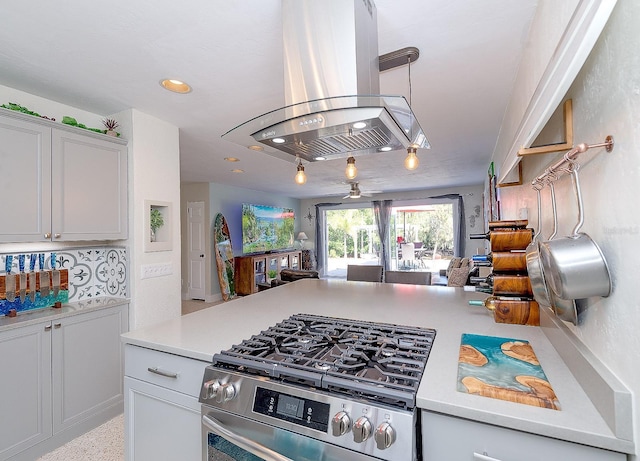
x: 202, y: 334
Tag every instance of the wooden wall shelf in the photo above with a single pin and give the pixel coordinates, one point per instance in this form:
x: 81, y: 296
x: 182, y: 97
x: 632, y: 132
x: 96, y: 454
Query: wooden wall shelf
x: 568, y: 136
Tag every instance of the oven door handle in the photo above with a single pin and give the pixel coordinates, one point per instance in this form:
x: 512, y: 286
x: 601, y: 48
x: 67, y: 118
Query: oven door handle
x: 257, y: 449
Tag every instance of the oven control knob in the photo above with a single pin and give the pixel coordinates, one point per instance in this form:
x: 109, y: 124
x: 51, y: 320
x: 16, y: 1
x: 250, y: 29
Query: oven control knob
x: 384, y: 436
x: 340, y: 424
x: 211, y: 388
x: 361, y: 429
x: 225, y: 393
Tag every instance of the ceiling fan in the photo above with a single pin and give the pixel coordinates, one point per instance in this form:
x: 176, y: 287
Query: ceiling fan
x: 355, y: 192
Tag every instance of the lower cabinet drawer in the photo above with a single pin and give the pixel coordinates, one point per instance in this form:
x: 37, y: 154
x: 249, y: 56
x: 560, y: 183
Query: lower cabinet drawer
x: 174, y: 372
x: 447, y: 437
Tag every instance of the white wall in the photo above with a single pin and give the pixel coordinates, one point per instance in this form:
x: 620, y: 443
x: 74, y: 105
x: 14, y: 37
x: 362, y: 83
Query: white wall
x: 606, y: 100
x: 154, y: 174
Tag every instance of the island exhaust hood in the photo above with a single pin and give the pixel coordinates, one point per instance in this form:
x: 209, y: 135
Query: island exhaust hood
x: 333, y: 108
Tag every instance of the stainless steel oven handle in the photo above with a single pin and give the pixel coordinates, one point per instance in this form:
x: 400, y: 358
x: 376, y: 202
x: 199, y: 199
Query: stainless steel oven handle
x: 257, y: 449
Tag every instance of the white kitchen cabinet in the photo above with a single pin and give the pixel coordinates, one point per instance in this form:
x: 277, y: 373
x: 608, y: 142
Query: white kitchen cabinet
x: 448, y: 437
x: 59, y: 379
x: 87, y: 364
x: 61, y: 184
x: 25, y: 388
x: 162, y: 412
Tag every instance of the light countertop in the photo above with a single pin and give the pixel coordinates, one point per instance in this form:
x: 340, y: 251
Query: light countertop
x: 201, y: 334
x: 35, y: 316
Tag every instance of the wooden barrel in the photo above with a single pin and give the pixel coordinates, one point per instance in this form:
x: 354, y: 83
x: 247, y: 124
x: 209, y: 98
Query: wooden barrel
x: 509, y: 261
x: 512, y: 285
x: 507, y: 240
x: 520, y: 312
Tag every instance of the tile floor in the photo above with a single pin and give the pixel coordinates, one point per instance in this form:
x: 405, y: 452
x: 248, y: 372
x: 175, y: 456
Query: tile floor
x: 104, y: 443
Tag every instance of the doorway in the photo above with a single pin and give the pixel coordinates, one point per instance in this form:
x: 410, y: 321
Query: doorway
x: 196, y: 253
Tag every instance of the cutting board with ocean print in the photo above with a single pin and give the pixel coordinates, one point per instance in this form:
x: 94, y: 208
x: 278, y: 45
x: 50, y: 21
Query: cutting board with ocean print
x: 224, y: 257
x: 503, y: 368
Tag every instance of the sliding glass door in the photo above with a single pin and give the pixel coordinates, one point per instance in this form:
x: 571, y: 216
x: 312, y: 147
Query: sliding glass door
x: 351, y: 236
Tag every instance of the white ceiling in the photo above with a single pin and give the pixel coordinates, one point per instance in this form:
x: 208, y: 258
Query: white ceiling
x: 109, y: 57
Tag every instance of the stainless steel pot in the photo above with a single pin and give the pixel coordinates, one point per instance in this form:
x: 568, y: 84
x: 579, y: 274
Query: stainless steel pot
x: 574, y: 266
x: 534, y: 266
x: 565, y: 309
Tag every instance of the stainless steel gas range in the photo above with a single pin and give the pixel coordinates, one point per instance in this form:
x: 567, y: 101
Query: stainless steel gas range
x: 316, y: 388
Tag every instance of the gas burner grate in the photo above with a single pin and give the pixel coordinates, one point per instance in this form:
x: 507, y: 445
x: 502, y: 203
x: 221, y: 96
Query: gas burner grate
x: 375, y: 361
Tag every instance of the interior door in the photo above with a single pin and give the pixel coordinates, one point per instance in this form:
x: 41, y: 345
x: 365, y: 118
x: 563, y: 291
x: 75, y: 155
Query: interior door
x: 197, y: 253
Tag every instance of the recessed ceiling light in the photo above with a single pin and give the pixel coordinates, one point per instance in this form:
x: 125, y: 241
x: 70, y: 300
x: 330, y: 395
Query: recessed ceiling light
x: 320, y: 158
x: 359, y: 125
x: 237, y: 170
x: 256, y: 148
x: 385, y: 149
x: 231, y: 159
x: 176, y: 86
x: 278, y: 140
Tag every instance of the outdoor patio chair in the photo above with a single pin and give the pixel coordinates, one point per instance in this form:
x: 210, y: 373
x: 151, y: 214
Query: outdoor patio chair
x: 408, y: 255
x: 364, y: 273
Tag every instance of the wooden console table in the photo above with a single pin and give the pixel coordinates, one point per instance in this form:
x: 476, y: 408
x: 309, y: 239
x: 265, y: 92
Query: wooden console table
x: 261, y: 268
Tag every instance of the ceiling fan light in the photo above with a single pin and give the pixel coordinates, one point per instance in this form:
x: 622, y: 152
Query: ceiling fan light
x: 351, y: 171
x: 300, y: 177
x: 411, y: 162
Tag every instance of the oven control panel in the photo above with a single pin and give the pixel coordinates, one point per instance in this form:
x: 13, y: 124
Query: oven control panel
x: 300, y: 411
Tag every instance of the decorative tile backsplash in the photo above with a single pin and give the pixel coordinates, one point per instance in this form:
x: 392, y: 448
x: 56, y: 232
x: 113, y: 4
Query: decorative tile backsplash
x: 93, y: 272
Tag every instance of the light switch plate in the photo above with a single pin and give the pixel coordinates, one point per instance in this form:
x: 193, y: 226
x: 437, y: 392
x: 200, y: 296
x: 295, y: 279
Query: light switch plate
x: 156, y: 270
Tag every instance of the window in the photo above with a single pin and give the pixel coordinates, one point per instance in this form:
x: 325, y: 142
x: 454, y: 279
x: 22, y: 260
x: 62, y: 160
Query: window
x: 351, y: 236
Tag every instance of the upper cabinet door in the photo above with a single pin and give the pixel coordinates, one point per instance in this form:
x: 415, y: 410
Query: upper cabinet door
x: 89, y: 188
x: 25, y: 182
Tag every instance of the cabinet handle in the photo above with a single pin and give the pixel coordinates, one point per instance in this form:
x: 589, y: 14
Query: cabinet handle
x: 47, y: 328
x: 57, y: 325
x: 483, y: 457
x: 56, y: 236
x: 167, y: 374
x: 47, y: 235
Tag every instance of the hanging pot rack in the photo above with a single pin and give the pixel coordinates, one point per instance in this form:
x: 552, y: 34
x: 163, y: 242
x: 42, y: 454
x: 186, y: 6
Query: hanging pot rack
x: 565, y: 164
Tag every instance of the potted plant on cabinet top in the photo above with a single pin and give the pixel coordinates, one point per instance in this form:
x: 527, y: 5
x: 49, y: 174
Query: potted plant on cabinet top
x: 111, y: 125
x: 155, y: 223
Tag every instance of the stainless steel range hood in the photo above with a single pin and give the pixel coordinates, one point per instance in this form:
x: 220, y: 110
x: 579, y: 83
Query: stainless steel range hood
x: 333, y: 108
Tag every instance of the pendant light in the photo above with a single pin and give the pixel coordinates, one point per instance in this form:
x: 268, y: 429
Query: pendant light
x: 351, y: 172
x: 300, y: 178
x: 411, y: 162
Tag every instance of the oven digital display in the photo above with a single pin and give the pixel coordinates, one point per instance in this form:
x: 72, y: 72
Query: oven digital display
x: 290, y: 406
x: 303, y: 412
